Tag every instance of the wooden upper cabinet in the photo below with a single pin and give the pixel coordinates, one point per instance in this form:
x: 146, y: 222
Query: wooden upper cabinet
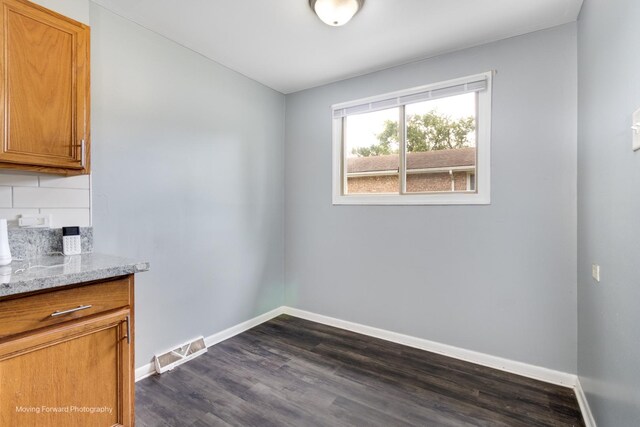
x: 44, y: 93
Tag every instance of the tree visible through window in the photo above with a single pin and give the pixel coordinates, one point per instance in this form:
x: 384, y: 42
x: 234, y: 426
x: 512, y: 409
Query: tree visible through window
x: 425, y: 132
x: 440, y: 148
x: 427, y: 143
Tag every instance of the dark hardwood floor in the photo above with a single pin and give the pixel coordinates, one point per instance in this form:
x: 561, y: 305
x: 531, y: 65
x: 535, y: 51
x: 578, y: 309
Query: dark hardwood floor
x: 292, y: 372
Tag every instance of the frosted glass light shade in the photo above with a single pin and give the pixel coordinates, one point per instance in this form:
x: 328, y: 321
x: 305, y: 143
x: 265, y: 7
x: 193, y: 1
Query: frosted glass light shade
x: 335, y: 12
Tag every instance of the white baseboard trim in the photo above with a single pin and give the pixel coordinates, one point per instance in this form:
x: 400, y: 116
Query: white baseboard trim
x: 145, y: 371
x: 519, y: 368
x: 589, y: 421
x: 241, y: 327
x: 149, y: 369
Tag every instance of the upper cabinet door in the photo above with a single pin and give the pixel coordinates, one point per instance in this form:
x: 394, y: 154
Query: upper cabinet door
x: 44, y: 94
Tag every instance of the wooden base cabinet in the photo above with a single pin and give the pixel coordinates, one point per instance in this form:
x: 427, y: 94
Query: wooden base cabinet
x: 76, y: 372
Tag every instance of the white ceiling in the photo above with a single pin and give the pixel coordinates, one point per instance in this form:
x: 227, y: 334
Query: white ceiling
x: 282, y: 44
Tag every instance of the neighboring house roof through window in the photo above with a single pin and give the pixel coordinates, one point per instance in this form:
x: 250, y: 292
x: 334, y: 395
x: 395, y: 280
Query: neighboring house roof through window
x: 415, y: 161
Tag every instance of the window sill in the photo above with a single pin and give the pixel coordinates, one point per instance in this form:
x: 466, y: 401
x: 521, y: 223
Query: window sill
x: 413, y: 199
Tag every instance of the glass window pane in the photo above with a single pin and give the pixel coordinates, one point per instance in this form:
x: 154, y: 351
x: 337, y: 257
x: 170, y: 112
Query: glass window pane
x: 371, y: 149
x: 441, y: 144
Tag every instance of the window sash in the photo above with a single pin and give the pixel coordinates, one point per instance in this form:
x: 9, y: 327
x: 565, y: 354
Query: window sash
x: 447, y: 89
x: 481, y: 84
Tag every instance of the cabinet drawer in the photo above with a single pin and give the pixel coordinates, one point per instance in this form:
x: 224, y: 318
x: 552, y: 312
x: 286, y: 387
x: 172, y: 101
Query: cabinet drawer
x: 58, y: 306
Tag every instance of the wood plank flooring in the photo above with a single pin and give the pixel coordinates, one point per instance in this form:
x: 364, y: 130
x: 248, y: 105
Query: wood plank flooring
x: 292, y: 372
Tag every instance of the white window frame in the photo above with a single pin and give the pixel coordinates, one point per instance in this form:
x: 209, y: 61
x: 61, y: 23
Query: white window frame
x: 482, y: 195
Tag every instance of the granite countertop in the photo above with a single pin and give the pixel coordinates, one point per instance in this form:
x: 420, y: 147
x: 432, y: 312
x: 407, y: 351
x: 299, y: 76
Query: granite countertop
x: 52, y: 271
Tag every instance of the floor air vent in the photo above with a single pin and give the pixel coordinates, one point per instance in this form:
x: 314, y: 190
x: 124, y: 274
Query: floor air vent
x: 172, y: 358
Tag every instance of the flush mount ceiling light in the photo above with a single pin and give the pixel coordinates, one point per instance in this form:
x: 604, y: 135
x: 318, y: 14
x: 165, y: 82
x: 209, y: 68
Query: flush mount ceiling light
x: 335, y: 12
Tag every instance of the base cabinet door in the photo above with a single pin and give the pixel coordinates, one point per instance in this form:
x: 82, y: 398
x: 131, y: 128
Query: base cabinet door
x: 76, y: 375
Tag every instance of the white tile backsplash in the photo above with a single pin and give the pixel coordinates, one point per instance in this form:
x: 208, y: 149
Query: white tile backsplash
x: 66, y: 199
x: 28, y: 197
x: 80, y: 181
x: 5, y: 197
x: 68, y: 217
x: 18, y: 180
x: 11, y: 214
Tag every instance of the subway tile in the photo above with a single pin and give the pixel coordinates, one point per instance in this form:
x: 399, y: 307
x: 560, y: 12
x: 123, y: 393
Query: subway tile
x: 5, y: 197
x: 80, y: 181
x: 19, y: 180
x: 68, y: 217
x: 27, y: 197
x: 12, y: 215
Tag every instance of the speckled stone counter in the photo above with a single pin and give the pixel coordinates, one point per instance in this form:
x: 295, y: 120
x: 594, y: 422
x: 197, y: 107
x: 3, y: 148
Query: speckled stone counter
x: 46, y: 272
x: 33, y: 242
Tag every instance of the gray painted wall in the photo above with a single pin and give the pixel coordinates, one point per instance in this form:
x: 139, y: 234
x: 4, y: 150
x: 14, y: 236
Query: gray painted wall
x: 188, y: 174
x: 499, y: 279
x: 608, y: 211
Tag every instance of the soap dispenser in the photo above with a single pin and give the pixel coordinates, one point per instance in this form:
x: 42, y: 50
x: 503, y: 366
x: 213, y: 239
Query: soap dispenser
x: 5, y: 251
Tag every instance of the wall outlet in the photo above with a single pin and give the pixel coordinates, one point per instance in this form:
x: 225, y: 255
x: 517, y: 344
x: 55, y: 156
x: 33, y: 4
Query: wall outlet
x: 595, y: 272
x: 34, y: 221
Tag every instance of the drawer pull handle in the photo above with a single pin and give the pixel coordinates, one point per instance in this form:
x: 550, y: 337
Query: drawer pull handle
x: 71, y: 310
x: 128, y: 331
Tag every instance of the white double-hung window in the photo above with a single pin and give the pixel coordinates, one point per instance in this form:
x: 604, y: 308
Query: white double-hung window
x: 421, y: 146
